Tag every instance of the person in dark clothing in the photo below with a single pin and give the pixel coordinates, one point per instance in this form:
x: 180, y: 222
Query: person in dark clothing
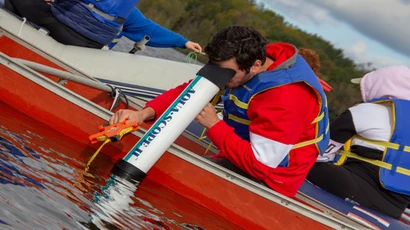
x: 39, y: 13
x: 95, y: 24
x: 371, y: 133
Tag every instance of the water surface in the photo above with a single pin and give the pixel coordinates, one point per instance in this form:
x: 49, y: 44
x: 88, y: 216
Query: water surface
x: 43, y: 185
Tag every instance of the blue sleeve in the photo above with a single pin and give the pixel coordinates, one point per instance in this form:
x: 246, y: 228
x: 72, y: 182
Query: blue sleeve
x: 136, y: 26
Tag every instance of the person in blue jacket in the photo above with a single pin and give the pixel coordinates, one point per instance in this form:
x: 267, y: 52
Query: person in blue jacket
x: 96, y: 23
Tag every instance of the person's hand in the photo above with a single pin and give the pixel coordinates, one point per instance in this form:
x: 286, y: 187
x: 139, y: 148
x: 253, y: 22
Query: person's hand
x: 207, y: 117
x: 132, y: 116
x: 193, y: 46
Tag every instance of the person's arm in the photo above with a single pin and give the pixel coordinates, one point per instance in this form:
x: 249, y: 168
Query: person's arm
x: 160, y: 103
x: 153, y: 109
x: 136, y: 26
x: 274, y: 129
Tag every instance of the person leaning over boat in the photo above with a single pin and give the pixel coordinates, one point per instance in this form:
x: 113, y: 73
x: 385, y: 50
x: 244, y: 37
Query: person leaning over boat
x: 94, y: 24
x: 377, y: 133
x: 275, y: 114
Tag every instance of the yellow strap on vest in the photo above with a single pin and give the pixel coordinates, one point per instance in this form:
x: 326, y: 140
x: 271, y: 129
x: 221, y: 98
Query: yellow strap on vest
x: 384, y: 144
x: 239, y: 120
x: 237, y: 102
x: 403, y: 171
x: 296, y: 146
x: 319, y: 118
x: 346, y: 146
x: 381, y: 164
x: 247, y: 122
x: 341, y: 160
x: 316, y: 140
x: 306, y: 143
x: 243, y: 105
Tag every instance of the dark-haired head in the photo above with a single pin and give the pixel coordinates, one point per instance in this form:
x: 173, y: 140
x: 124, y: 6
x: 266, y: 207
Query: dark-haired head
x: 243, y: 43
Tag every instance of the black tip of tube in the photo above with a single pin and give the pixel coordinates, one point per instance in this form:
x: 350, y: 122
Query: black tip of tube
x: 217, y: 75
x: 128, y: 171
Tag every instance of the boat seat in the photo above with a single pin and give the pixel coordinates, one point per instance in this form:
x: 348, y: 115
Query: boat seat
x: 352, y: 210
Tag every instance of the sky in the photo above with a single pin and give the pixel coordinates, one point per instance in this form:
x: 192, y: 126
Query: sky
x: 375, y: 31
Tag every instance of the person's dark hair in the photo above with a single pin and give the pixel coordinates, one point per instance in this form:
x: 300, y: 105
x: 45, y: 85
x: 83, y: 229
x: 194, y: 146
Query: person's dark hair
x: 244, y: 43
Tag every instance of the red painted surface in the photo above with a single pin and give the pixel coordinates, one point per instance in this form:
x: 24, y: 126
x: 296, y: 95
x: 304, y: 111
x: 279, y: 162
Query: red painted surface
x: 236, y: 204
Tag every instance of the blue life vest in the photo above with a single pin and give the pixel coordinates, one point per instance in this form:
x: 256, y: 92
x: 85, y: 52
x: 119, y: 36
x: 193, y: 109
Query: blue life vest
x: 98, y: 20
x: 293, y: 70
x: 394, y: 173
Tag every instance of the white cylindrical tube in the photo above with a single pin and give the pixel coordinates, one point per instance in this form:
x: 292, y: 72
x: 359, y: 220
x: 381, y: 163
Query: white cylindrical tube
x: 172, y: 123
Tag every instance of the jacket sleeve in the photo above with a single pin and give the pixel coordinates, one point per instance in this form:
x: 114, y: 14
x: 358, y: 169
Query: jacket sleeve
x: 163, y: 101
x: 342, y: 128
x: 136, y: 26
x: 274, y: 129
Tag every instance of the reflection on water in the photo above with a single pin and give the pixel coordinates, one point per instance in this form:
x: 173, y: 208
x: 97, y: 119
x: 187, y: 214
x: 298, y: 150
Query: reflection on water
x: 31, y: 192
x: 43, y: 185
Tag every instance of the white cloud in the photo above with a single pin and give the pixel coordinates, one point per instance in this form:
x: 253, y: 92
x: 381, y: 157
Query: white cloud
x: 380, y: 20
x: 357, y: 49
x: 302, y: 11
x: 385, y: 21
x: 360, y: 53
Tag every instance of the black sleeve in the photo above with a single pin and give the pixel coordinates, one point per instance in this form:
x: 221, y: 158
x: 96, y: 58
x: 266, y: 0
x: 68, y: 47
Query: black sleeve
x: 342, y: 129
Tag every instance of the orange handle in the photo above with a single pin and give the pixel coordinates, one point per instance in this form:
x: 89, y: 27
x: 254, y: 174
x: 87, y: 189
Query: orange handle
x: 112, y: 132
